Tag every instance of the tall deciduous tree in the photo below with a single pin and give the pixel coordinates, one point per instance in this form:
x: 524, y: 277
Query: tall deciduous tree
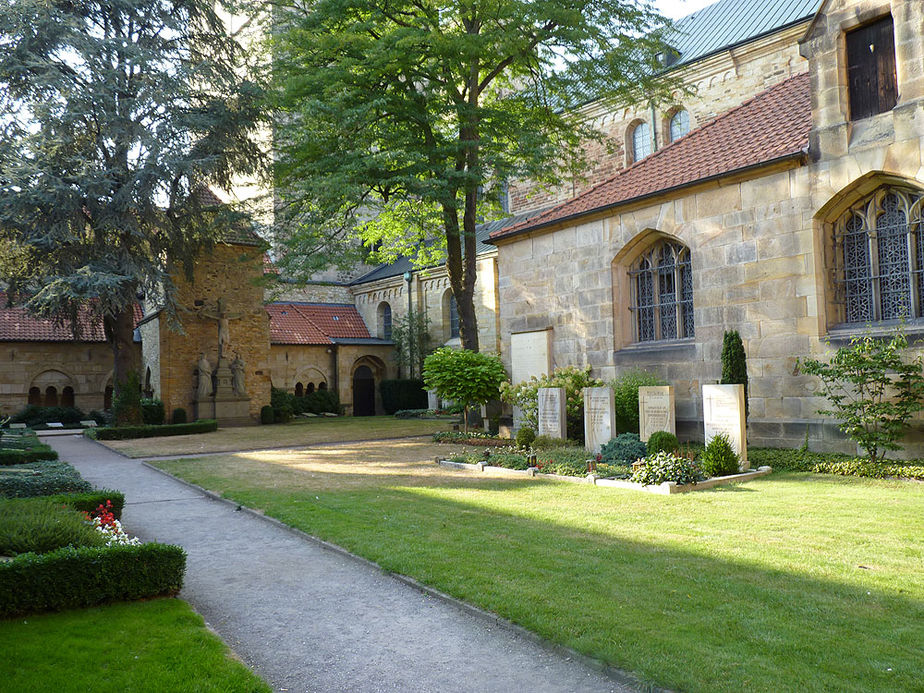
x: 408, y: 109
x: 113, y: 113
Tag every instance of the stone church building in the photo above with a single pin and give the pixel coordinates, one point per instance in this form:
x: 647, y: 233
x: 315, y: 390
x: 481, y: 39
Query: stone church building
x: 783, y: 200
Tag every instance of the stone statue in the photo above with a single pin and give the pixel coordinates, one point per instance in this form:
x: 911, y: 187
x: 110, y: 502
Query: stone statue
x: 204, y: 371
x: 237, y: 375
x: 222, y: 316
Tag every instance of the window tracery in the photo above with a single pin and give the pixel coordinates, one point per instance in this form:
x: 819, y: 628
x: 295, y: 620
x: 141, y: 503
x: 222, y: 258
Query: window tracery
x: 662, y: 286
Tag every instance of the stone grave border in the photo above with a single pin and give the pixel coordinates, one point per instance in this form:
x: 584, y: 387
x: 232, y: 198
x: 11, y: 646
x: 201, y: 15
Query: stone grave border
x: 667, y: 488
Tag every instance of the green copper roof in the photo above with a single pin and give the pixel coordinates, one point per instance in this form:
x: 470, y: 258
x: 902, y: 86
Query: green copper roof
x: 731, y: 22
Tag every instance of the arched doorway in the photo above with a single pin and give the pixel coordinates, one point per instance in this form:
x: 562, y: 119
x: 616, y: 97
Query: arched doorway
x: 363, y: 392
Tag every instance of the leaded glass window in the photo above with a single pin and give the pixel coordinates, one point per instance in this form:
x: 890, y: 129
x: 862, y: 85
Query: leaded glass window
x: 679, y: 125
x: 878, y: 258
x: 641, y: 142
x: 662, y: 304
x: 453, y: 318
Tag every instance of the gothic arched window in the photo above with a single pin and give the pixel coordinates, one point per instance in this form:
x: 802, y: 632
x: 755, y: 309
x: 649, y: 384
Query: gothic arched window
x: 679, y: 124
x: 662, y: 293
x: 641, y: 142
x: 879, y: 258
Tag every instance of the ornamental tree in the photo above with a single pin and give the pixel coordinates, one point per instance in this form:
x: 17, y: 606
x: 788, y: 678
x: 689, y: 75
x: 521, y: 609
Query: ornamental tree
x: 114, y: 115
x: 872, y: 390
x: 735, y: 364
x: 416, y: 111
x: 466, y: 377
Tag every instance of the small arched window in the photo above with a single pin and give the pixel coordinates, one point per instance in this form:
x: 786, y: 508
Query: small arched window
x: 384, y: 320
x: 51, y: 396
x: 641, y: 142
x: 309, y: 388
x: 879, y: 258
x: 662, y: 293
x: 322, y: 386
x: 299, y: 390
x: 67, y: 397
x: 679, y: 125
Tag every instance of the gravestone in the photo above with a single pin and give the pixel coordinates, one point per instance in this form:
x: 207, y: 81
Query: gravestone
x: 599, y: 417
x: 723, y: 412
x: 433, y: 402
x: 655, y: 410
x: 17, y: 425
x: 88, y: 423
x: 553, y: 419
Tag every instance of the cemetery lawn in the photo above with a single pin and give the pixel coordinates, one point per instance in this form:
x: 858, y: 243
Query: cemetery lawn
x: 157, y: 645
x: 295, y: 433
x: 791, y: 582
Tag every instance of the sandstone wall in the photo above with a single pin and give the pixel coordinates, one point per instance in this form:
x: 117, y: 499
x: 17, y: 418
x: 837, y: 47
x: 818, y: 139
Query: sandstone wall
x: 231, y: 272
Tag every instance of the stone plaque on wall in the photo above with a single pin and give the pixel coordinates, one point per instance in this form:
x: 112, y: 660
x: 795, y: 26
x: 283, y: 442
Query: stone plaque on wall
x: 723, y: 412
x: 599, y: 417
x: 552, y: 412
x: 529, y: 355
x: 655, y: 410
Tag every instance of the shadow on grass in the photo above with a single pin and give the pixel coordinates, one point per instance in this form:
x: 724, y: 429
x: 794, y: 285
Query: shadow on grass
x: 695, y: 592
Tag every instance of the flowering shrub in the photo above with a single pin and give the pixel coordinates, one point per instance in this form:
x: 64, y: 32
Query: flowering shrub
x: 105, y: 523
x: 665, y: 466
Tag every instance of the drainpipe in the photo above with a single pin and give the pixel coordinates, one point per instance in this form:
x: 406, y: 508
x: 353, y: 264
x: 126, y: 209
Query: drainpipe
x: 654, y: 128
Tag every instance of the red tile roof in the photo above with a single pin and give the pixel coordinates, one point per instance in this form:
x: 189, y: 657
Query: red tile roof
x: 17, y: 325
x: 773, y: 125
x: 314, y: 323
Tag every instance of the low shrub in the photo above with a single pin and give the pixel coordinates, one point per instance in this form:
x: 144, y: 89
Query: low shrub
x: 570, y: 461
x: 152, y: 412
x: 508, y: 460
x: 71, y: 577
x: 11, y: 456
x: 411, y: 413
x: 865, y: 468
x: 525, y: 437
x: 662, y: 441
x: 178, y: 416
x: 401, y: 394
x: 40, y: 525
x: 471, y: 438
x: 48, y: 477
x: 33, y: 416
x: 131, y: 432
x: 626, y: 447
x: 664, y: 466
x: 266, y: 415
x: 319, y: 402
x: 550, y: 443
x: 89, y: 501
x: 719, y: 457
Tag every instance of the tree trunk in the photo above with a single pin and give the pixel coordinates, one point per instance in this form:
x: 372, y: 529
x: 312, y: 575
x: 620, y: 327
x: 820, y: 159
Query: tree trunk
x: 461, y: 269
x: 120, y: 331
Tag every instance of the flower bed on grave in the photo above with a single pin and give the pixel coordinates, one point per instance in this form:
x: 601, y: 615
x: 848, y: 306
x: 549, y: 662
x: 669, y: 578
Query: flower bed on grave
x: 56, y: 554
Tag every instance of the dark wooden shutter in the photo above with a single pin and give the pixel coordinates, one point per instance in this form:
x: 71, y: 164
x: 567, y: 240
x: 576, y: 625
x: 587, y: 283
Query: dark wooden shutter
x: 871, y: 79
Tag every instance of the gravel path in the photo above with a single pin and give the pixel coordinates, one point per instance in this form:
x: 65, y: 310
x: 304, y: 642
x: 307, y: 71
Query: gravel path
x: 310, y: 619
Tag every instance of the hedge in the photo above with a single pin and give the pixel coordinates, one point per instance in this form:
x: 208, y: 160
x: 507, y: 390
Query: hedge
x: 81, y: 577
x: 50, y: 477
x: 91, y: 500
x: 11, y: 456
x: 129, y: 432
x: 403, y: 394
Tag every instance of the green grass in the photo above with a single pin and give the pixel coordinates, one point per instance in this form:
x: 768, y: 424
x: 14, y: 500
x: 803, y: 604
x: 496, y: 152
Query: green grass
x: 296, y: 433
x: 792, y: 582
x: 159, y: 645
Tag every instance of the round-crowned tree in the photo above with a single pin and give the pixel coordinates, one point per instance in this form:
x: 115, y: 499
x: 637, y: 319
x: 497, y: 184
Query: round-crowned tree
x: 466, y: 377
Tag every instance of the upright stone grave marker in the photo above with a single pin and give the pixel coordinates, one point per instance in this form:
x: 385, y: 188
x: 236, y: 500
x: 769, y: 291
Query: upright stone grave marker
x: 553, y: 418
x: 723, y: 412
x: 599, y: 417
x: 433, y: 402
x: 655, y: 410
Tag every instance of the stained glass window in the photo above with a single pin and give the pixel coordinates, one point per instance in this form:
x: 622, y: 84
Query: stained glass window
x: 878, y: 254
x: 662, y: 281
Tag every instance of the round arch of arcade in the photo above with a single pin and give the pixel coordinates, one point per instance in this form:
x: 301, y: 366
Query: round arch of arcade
x: 52, y: 388
x: 308, y: 380
x: 365, y: 375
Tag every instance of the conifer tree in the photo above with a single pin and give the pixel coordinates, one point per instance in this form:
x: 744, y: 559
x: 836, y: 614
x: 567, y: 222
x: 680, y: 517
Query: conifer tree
x: 113, y: 113
x: 735, y: 364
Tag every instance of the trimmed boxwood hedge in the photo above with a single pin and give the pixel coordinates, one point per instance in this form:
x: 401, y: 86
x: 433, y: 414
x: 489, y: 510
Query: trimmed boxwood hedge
x: 129, y: 432
x: 11, y: 456
x: 49, y: 477
x: 91, y: 500
x: 79, y: 577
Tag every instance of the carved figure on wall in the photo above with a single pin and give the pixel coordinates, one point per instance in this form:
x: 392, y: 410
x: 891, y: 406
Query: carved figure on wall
x: 204, y: 371
x: 237, y: 375
x: 223, y: 318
